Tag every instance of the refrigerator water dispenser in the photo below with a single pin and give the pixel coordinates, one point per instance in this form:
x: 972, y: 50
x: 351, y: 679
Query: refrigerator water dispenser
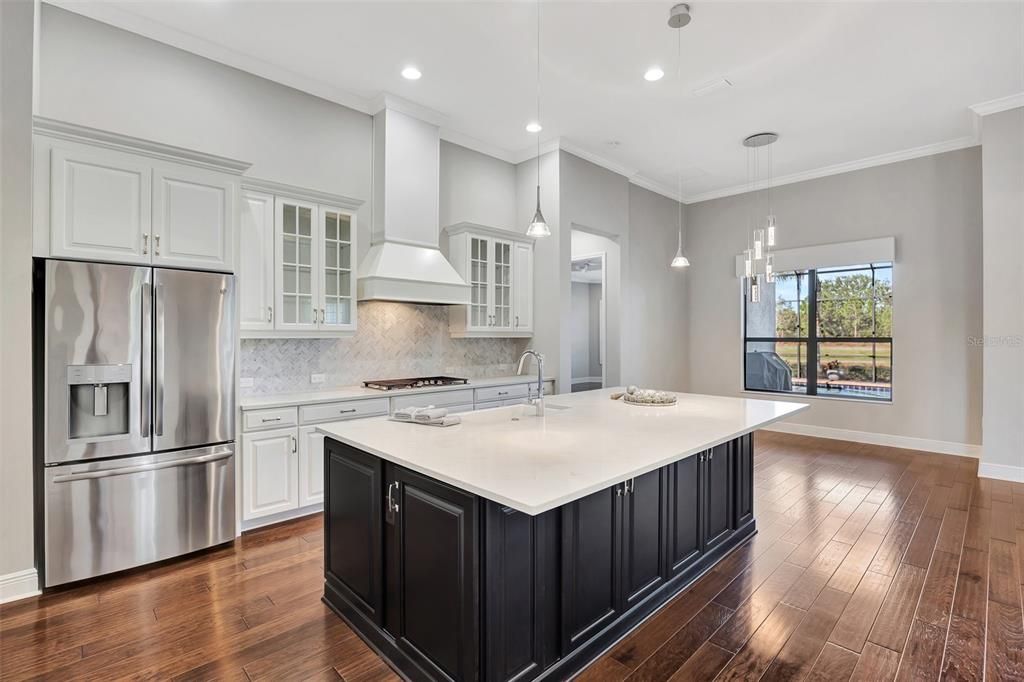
x: 98, y: 400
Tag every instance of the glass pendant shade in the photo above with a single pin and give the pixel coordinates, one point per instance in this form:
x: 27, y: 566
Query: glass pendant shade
x: 770, y: 231
x: 755, y: 290
x: 538, y: 226
x: 769, y: 268
x: 679, y: 260
x: 758, y: 244
x: 748, y: 264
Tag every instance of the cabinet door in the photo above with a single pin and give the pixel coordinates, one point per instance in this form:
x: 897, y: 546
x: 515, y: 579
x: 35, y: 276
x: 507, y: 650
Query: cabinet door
x: 336, y: 239
x: 501, y: 313
x: 256, y: 262
x: 269, y: 473
x: 193, y: 218
x: 353, y: 550
x: 643, y: 536
x: 591, y: 549
x: 684, y: 518
x: 522, y: 287
x: 743, y: 468
x: 718, y: 485
x: 311, y: 466
x: 295, y: 282
x: 99, y: 205
x: 432, y: 594
x: 479, y: 283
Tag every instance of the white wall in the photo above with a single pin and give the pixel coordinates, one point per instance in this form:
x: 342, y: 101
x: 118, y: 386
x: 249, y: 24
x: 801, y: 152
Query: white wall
x: 16, y: 513
x: 477, y: 188
x: 932, y: 206
x: 655, y: 336
x: 100, y: 76
x: 1003, y: 200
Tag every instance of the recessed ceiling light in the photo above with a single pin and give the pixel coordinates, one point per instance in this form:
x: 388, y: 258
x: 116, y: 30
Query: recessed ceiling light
x: 411, y: 73
x: 533, y: 127
x: 654, y: 74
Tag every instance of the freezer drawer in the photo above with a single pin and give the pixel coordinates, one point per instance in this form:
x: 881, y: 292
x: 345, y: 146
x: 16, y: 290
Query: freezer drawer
x: 107, y: 516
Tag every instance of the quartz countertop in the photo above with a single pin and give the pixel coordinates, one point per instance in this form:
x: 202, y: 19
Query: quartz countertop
x: 361, y: 392
x: 534, y: 464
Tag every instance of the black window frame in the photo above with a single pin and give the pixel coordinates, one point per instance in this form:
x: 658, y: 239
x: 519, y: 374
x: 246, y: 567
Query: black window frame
x: 813, y: 339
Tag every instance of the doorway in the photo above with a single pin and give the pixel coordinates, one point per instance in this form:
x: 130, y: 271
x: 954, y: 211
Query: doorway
x: 588, y: 278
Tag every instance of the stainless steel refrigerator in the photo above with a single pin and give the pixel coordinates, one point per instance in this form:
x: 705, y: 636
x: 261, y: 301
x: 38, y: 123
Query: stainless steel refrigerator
x: 136, y: 371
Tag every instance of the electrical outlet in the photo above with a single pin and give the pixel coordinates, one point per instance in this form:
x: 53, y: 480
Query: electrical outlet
x: 317, y: 378
x: 246, y: 382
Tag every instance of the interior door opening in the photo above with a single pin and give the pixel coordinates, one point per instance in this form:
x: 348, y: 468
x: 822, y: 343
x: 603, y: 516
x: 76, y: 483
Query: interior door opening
x: 588, y: 322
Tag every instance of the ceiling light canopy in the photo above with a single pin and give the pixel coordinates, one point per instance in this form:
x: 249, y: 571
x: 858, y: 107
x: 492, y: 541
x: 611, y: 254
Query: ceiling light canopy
x: 534, y: 127
x: 654, y: 74
x: 411, y: 73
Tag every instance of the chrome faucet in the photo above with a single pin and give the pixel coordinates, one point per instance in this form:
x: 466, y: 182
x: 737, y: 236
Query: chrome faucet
x: 537, y: 402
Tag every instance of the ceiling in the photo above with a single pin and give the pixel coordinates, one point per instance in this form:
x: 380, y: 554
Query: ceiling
x: 841, y: 82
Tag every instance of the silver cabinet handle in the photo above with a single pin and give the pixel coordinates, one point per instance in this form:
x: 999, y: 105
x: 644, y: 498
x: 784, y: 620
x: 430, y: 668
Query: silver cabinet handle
x: 517, y: 320
x: 391, y: 507
x: 630, y: 486
x: 145, y: 243
x: 349, y: 411
x: 200, y: 459
x: 618, y: 491
x: 271, y: 419
x: 502, y: 392
x: 270, y: 313
x: 158, y: 362
x: 711, y: 455
x: 147, y: 352
x: 156, y: 244
x: 295, y: 443
x: 321, y: 316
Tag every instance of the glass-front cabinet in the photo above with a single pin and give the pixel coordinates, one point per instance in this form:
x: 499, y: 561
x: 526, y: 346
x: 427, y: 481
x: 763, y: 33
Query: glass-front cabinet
x: 313, y: 274
x: 498, y: 266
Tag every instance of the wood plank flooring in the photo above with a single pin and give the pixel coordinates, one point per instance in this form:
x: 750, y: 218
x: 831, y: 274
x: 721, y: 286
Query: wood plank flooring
x: 870, y: 563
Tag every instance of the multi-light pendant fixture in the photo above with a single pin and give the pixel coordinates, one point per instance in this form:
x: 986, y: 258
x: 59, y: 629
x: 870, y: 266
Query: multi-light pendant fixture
x: 759, y: 256
x: 538, y: 226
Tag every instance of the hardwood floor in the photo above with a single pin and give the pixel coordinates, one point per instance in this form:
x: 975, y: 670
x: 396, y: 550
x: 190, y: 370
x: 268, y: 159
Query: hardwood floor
x: 870, y: 563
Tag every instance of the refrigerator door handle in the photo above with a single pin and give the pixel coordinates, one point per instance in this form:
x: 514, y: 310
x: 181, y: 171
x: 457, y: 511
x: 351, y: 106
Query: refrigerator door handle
x: 158, y: 364
x: 104, y: 473
x: 145, y: 395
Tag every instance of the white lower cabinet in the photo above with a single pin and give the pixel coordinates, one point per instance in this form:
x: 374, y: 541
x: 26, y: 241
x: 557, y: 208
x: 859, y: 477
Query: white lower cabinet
x: 311, y: 466
x: 270, y: 472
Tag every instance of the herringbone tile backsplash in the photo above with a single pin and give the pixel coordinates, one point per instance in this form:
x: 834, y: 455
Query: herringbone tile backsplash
x: 394, y: 340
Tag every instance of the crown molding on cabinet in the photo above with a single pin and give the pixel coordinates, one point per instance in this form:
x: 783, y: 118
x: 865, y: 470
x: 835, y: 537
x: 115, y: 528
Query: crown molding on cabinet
x: 497, y: 232
x: 994, y: 106
x: 294, y: 192
x: 102, y: 138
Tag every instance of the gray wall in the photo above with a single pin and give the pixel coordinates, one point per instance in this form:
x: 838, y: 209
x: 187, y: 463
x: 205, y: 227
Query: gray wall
x: 16, y: 31
x: 932, y: 206
x: 1003, y: 197
x: 477, y: 188
x: 580, y: 322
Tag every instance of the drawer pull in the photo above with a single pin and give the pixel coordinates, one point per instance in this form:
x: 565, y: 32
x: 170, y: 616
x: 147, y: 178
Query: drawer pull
x: 271, y: 419
x: 502, y: 392
x: 349, y: 411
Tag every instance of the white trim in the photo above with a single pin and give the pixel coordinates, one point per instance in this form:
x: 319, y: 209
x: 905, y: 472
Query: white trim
x: 641, y: 180
x: 479, y: 146
x: 994, y: 106
x: 19, y: 585
x: 62, y: 130
x: 1002, y: 472
x: 888, y: 439
x: 496, y: 232
x: 292, y: 192
x: 287, y: 515
x: 587, y: 380
x: 839, y: 168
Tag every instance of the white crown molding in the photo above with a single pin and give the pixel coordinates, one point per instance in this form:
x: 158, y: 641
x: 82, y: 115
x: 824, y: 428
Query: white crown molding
x: 994, y: 106
x: 891, y: 440
x: 641, y: 180
x: 1003, y: 472
x: 311, y: 195
x: 839, y: 168
x: 530, y: 153
x: 103, y: 138
x: 485, y: 148
x: 387, y: 100
x: 19, y: 585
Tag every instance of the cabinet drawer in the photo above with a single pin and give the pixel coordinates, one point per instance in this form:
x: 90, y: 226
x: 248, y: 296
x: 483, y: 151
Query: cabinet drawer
x: 274, y: 418
x: 349, y: 409
x: 462, y: 407
x: 502, y: 392
x: 439, y: 399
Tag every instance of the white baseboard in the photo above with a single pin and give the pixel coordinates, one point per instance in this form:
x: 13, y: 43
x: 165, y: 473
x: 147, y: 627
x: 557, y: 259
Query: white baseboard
x: 587, y: 380
x: 907, y: 442
x: 253, y: 524
x: 1003, y: 472
x: 18, y: 585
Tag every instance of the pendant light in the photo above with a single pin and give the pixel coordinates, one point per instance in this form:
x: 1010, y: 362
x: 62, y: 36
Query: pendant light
x: 678, y: 17
x: 758, y: 258
x: 538, y: 226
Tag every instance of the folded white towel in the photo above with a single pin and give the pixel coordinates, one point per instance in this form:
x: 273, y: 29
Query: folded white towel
x: 408, y: 414
x: 430, y: 414
x: 449, y: 420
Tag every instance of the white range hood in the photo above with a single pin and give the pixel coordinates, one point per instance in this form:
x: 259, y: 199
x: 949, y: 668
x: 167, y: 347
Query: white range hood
x: 404, y: 262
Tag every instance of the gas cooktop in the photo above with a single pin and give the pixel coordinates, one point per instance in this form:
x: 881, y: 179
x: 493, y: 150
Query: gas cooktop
x: 415, y: 382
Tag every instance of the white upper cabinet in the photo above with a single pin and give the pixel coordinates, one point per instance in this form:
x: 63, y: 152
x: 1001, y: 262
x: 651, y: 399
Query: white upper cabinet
x: 297, y: 246
x: 106, y: 197
x: 498, y: 266
x: 256, y: 261
x: 99, y: 205
x: 193, y: 218
x: 336, y: 244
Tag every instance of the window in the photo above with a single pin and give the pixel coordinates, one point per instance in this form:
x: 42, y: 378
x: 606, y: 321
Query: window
x: 823, y: 332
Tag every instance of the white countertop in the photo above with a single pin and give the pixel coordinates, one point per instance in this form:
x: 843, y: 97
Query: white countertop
x: 360, y: 392
x: 538, y: 463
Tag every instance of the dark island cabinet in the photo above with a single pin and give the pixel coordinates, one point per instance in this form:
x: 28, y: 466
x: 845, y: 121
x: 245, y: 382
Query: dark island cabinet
x: 451, y: 586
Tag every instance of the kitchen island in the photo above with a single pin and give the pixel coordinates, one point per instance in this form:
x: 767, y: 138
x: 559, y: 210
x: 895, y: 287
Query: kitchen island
x: 517, y: 547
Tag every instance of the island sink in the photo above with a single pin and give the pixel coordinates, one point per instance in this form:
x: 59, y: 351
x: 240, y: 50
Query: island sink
x: 499, y: 551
